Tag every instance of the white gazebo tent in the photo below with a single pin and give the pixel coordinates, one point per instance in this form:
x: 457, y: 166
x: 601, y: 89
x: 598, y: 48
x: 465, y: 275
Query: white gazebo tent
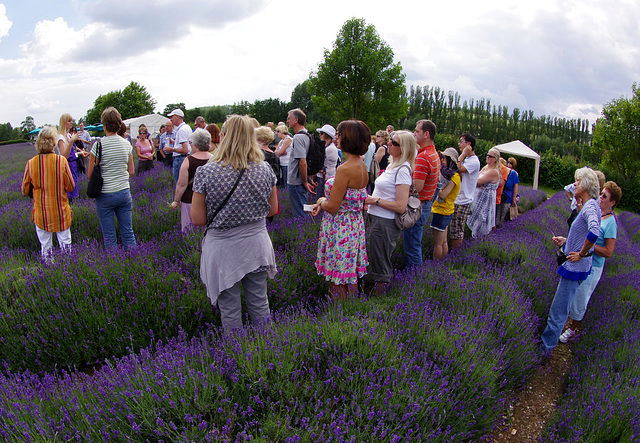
x: 151, y: 121
x: 516, y: 147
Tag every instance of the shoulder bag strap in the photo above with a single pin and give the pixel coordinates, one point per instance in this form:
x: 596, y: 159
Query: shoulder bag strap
x: 97, y: 160
x: 224, y: 202
x: 410, y: 173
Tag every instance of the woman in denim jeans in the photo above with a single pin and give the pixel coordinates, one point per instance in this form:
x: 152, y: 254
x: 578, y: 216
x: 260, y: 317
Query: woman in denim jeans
x: 117, y: 167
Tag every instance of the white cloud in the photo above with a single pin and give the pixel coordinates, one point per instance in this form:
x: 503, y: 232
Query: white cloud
x: 556, y: 58
x: 5, y: 23
x: 53, y: 44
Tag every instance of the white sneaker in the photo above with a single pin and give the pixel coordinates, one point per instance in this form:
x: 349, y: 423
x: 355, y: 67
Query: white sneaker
x: 567, y: 335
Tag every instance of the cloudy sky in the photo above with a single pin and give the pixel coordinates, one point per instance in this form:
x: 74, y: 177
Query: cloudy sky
x: 557, y: 57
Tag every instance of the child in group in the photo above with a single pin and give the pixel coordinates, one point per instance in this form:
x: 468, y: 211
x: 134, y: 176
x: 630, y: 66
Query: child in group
x: 442, y: 209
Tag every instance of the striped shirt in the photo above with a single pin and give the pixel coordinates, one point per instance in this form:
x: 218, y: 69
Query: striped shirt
x: 585, y: 226
x: 51, y: 179
x: 427, y: 168
x: 114, y: 163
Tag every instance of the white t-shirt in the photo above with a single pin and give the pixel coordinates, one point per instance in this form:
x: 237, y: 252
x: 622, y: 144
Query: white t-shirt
x: 469, y: 180
x: 284, y: 159
x: 386, y: 188
x: 330, y: 160
x: 183, y: 134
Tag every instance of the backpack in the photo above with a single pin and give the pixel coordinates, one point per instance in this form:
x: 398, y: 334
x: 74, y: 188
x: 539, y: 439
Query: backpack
x: 315, y: 154
x: 272, y: 160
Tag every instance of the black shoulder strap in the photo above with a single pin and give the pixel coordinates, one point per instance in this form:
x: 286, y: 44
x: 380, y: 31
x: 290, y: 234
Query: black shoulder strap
x: 224, y: 202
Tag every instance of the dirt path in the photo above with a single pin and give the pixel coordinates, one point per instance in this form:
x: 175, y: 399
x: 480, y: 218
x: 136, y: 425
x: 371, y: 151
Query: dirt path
x: 536, y: 402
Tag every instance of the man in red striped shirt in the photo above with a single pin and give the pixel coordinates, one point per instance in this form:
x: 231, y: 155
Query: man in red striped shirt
x: 425, y: 179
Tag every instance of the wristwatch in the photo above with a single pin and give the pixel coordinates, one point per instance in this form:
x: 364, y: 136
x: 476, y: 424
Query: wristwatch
x: 378, y: 202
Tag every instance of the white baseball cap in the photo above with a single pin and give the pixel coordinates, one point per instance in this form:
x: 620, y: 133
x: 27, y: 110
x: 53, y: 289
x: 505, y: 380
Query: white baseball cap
x: 177, y: 112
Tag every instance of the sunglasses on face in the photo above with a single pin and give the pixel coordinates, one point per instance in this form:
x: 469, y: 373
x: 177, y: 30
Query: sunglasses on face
x: 394, y: 143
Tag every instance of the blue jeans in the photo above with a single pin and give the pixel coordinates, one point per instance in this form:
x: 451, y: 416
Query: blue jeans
x: 118, y: 204
x: 412, y: 238
x: 177, y: 162
x: 298, y: 197
x: 285, y: 174
x: 319, y: 190
x: 559, y: 311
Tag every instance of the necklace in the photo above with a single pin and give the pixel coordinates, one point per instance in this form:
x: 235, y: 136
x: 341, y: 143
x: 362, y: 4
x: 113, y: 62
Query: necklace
x: 607, y: 214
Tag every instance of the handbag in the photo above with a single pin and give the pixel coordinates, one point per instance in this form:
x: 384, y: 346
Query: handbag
x: 513, y: 212
x: 374, y: 169
x: 413, y: 212
x: 94, y: 187
x: 560, y: 256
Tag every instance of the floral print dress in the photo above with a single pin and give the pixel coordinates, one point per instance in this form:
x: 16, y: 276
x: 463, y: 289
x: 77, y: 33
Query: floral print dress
x: 342, y: 254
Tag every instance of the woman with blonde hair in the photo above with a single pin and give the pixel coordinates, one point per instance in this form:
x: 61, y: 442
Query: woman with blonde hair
x: 283, y: 150
x: 232, y: 196
x: 382, y: 153
x: 48, y: 179
x: 65, y: 147
x: 390, y: 197
x: 483, y: 215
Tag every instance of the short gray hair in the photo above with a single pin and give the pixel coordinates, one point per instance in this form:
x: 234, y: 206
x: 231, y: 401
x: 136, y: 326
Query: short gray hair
x: 201, y: 139
x: 589, y: 181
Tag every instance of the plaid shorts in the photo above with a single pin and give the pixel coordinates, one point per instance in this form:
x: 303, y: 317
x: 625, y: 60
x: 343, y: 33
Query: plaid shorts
x: 458, y: 222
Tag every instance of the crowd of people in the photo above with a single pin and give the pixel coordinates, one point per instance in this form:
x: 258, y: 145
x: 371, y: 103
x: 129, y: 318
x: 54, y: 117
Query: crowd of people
x: 227, y: 178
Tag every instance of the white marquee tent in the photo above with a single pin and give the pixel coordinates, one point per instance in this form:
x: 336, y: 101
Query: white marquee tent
x: 516, y: 147
x: 151, y: 121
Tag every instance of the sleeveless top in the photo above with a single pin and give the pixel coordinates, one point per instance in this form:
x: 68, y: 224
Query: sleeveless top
x: 194, y: 163
x: 144, y: 150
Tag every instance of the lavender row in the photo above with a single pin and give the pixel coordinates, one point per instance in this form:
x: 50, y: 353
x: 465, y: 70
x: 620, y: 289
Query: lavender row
x: 602, y: 397
x: 448, y: 344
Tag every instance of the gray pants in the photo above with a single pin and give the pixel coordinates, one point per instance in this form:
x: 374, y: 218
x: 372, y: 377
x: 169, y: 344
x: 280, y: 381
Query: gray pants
x: 255, y: 296
x: 382, y: 241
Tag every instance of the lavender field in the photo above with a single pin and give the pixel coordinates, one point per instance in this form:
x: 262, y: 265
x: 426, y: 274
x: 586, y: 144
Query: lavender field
x: 435, y: 359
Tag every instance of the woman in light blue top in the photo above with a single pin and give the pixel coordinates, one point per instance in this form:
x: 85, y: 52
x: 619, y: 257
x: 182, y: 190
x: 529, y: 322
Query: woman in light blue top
x: 605, y: 244
x: 116, y: 164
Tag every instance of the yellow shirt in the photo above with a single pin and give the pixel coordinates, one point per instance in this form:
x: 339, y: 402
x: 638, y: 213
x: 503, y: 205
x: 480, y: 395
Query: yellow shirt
x: 446, y: 208
x: 51, y: 179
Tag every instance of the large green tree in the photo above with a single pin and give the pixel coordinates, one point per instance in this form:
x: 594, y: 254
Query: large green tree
x: 28, y: 124
x: 617, y: 134
x: 171, y: 106
x: 132, y: 101
x: 269, y: 110
x: 358, y: 78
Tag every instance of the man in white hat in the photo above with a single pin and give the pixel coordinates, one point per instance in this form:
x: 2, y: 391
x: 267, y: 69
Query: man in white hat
x: 181, y: 146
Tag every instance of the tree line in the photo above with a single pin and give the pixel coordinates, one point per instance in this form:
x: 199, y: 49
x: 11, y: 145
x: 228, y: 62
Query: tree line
x: 488, y: 121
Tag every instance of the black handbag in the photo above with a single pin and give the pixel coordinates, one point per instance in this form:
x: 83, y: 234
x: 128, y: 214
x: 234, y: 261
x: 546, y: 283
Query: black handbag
x: 560, y: 256
x: 94, y: 188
